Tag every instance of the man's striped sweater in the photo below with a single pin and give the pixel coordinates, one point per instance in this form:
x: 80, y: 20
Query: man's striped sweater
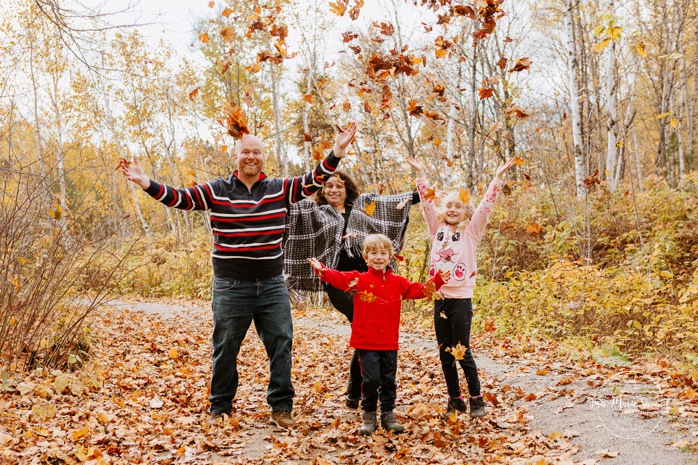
x: 248, y: 224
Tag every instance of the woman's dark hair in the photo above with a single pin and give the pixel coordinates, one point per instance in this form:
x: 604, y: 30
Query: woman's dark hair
x: 349, y: 184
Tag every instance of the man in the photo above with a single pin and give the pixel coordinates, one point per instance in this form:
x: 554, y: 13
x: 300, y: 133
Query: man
x: 248, y: 214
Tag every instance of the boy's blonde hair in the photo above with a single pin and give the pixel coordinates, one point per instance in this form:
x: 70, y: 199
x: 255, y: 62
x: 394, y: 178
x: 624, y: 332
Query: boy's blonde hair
x: 377, y: 242
x: 455, y: 197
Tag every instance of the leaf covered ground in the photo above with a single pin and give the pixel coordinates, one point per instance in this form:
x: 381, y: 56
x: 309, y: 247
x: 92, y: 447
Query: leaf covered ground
x: 142, y: 398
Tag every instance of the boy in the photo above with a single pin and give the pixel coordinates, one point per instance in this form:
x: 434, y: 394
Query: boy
x: 378, y: 294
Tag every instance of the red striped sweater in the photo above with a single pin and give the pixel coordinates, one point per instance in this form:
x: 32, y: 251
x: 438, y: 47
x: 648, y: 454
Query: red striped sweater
x: 248, y: 224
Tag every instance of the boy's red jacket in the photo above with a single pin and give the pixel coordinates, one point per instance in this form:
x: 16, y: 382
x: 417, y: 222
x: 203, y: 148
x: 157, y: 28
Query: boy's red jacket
x: 377, y: 300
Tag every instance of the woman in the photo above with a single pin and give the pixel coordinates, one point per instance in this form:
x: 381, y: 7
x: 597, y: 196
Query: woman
x: 332, y: 229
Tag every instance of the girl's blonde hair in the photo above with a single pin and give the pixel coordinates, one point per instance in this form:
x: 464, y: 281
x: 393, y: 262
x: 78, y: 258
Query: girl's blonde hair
x: 455, y: 197
x: 377, y: 242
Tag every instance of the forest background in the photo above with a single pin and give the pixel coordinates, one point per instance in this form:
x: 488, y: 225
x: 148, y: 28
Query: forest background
x: 593, y: 245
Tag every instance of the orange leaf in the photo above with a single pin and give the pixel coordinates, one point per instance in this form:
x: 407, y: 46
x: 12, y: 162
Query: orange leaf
x: 193, y: 94
x: 346, y: 106
x: 338, y: 8
x: 518, y: 161
x: 203, y: 37
x: 486, y: 92
x: 235, y: 120
x: 254, y: 68
x: 308, y: 98
x: 534, y: 228
x: 228, y: 34
x: 502, y: 63
x: 307, y: 137
x: 436, y: 142
x: 211, y: 3
x: 370, y: 208
x: 464, y: 196
x: 520, y: 65
x: 430, y: 194
x: 516, y: 111
x: 227, y: 12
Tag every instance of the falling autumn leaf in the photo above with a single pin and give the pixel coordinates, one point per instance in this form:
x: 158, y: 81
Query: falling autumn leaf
x: 235, y: 120
x: 356, y: 9
x: 592, y: 179
x: 640, y: 48
x: 516, y: 111
x: 502, y: 63
x: 520, y: 65
x: 211, y: 3
x: 193, y: 94
x: 338, y: 7
x: 430, y: 194
x: 518, y: 161
x: 370, y: 208
x: 203, y: 37
x: 464, y: 196
x: 458, y: 351
x: 122, y: 162
x: 227, y: 12
x: 486, y: 92
x: 228, y: 34
x: 307, y: 137
x: 254, y: 68
x: 308, y: 98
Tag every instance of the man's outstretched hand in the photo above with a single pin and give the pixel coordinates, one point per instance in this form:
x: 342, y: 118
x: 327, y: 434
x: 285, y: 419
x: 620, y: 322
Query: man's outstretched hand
x: 134, y: 173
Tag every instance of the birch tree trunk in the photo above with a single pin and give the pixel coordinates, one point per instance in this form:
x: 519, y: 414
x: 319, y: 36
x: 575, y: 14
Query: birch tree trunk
x: 573, y: 73
x: 611, y: 107
x: 278, y: 140
x: 472, y: 158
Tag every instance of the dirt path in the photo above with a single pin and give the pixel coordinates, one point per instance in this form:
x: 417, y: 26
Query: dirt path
x: 575, y: 417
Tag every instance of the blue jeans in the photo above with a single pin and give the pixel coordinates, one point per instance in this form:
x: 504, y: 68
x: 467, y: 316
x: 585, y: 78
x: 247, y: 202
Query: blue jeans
x: 236, y: 304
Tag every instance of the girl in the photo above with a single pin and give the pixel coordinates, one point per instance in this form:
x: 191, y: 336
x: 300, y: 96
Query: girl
x: 455, y: 230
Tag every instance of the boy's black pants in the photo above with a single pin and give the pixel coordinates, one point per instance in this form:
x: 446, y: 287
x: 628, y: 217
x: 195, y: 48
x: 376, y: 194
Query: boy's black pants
x: 378, y: 369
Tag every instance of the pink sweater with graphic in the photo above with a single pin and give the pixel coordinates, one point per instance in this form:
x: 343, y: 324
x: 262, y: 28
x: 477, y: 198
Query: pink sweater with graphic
x: 456, y: 251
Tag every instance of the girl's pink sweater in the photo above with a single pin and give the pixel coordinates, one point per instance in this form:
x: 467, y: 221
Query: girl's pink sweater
x: 456, y: 251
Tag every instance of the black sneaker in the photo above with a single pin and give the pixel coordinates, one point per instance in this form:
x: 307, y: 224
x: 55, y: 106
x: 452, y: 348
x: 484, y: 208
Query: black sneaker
x: 353, y: 402
x: 477, y: 407
x: 456, y: 404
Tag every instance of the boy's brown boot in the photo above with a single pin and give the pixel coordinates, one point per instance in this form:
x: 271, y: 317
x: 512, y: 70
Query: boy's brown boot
x: 369, y: 423
x: 389, y: 422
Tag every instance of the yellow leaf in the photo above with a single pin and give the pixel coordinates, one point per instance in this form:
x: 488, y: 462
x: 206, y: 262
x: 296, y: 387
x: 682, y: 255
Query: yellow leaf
x: 614, y: 32
x: 518, y: 161
x: 598, y: 30
x: 44, y: 411
x: 601, y: 45
x: 172, y: 353
x: 458, y: 351
x: 440, y: 52
x: 464, y: 195
x: 103, y: 417
x: 370, y: 208
x: 663, y: 115
x: 640, y: 47
x: 674, y: 123
x: 79, y: 433
x: 619, y: 144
